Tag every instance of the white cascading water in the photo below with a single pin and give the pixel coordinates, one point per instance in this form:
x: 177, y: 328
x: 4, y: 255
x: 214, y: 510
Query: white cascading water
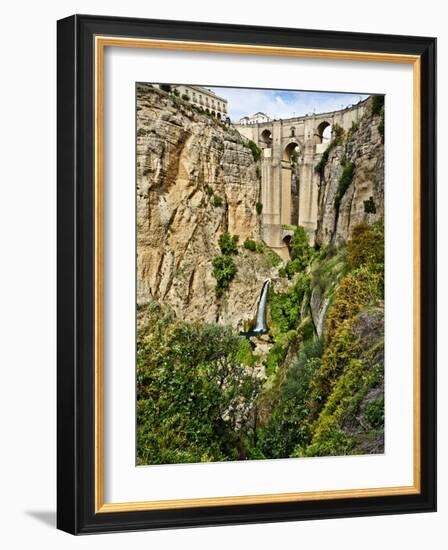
x: 261, y: 312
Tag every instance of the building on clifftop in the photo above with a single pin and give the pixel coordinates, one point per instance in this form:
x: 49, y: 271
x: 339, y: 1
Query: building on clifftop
x: 257, y: 118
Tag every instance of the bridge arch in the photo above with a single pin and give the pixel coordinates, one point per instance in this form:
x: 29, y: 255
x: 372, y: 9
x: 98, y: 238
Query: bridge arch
x: 324, y: 132
x: 287, y: 236
x: 266, y: 136
x: 291, y: 148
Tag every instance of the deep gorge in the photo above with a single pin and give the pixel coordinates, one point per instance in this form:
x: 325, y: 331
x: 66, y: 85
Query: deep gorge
x: 212, y: 385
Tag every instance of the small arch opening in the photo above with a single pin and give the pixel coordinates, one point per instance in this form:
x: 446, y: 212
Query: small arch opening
x: 291, y: 152
x: 266, y: 137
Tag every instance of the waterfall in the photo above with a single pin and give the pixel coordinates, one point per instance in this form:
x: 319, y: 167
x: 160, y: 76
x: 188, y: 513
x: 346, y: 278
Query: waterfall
x: 260, y: 326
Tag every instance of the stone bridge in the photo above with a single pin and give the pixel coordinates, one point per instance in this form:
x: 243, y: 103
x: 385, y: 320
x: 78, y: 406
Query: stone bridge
x: 289, y: 183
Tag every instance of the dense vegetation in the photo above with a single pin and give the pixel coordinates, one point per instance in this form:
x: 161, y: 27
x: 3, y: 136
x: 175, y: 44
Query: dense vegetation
x: 203, y: 395
x: 195, y: 391
x: 329, y: 399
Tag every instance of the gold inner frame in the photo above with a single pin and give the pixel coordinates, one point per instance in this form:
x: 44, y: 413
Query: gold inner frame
x: 101, y: 42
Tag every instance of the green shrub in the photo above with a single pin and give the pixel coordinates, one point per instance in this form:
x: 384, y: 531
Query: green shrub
x: 293, y: 266
x: 325, y: 250
x: 374, y: 412
x: 228, y: 244
x: 306, y: 329
x: 217, y: 201
x: 299, y: 244
x: 224, y: 270
x: 249, y: 244
x: 340, y: 349
x: 366, y: 246
x: 284, y: 307
x: 259, y: 208
x: 209, y: 190
x: 369, y: 206
x: 344, y: 182
x: 338, y: 429
x: 287, y: 427
x: 328, y: 268
x: 338, y: 134
x: 185, y: 97
x: 256, y: 151
x: 301, y: 252
x: 166, y: 87
x: 358, y: 290
x: 329, y: 440
x: 275, y: 357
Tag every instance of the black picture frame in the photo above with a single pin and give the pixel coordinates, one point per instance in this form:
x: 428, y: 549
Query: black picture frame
x: 76, y: 271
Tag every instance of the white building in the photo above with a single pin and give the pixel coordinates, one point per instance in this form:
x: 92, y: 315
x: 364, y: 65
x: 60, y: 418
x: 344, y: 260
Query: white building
x: 204, y: 98
x: 257, y: 118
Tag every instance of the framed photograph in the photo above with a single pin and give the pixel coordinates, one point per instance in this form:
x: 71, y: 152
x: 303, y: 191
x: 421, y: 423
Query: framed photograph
x: 246, y: 274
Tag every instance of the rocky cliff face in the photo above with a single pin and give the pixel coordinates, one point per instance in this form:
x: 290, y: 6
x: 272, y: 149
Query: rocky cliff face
x: 195, y: 180
x: 363, y: 200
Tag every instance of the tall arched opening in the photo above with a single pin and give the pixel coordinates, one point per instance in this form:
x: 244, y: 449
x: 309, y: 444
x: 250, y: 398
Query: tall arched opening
x: 290, y: 183
x: 291, y: 152
x: 324, y: 132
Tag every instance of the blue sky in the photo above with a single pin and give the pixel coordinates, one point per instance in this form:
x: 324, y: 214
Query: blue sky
x: 281, y: 104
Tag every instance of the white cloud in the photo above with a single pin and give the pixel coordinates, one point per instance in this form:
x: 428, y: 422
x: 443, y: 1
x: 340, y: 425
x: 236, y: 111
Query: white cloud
x: 283, y: 104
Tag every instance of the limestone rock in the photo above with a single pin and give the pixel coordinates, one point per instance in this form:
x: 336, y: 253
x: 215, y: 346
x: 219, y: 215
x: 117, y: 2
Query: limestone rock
x: 186, y: 162
x: 319, y: 305
x: 363, y: 147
